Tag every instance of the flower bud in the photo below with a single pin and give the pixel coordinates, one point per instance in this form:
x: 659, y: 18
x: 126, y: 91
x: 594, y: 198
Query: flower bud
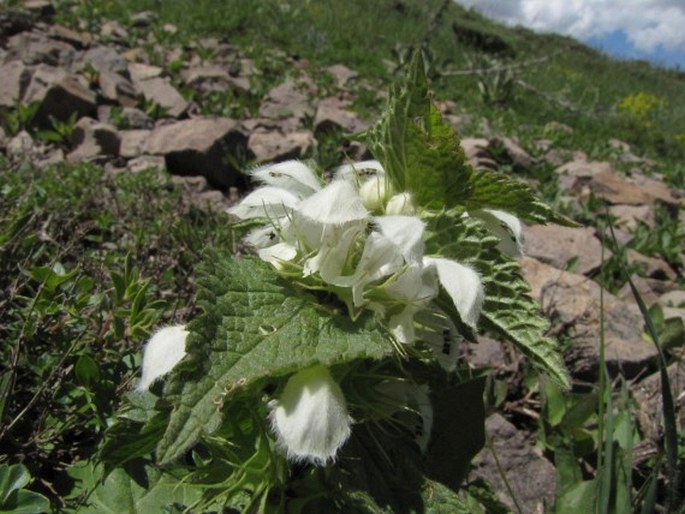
x: 310, y: 418
x: 400, y: 204
x: 165, y: 349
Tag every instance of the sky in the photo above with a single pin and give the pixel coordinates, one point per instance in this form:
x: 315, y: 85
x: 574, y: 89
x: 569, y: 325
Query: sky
x: 652, y: 30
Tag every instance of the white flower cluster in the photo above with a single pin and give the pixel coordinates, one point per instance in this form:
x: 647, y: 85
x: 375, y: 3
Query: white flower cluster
x: 360, y: 239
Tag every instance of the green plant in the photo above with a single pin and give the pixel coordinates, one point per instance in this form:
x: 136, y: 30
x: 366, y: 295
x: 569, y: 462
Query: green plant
x: 62, y: 131
x: 20, y: 118
x: 13, y: 495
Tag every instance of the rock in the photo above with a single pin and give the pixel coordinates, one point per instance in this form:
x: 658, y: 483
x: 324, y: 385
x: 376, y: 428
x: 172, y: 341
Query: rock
x: 555, y: 126
x: 605, y: 182
x: 193, y: 76
x: 629, y: 215
x: 651, y: 266
x: 573, y: 303
x: 14, y: 78
x: 486, y: 353
x: 42, y: 8
x: 33, y: 48
x: 132, y: 142
x: 342, y: 74
x: 476, y: 151
x: 278, y: 146
x: 114, y: 31
x: 619, y: 145
x: 125, y: 117
x: 200, y: 146
x: 285, y: 100
x: 21, y: 145
x: 198, y: 192
x: 62, y: 33
x: 557, y: 245
x: 516, y: 155
x: 647, y: 394
x: 649, y: 288
x: 145, y: 162
x: 105, y: 58
x: 117, y: 88
x: 330, y: 117
x: 60, y: 95
x: 531, y: 477
x: 673, y: 299
x: 140, y: 71
x: 92, y: 139
x: 143, y: 19
x: 160, y: 91
x: 13, y: 22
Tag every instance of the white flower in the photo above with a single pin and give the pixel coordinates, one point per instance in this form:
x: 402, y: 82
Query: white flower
x: 293, y: 176
x: 165, y: 349
x: 266, y: 202
x: 310, y: 418
x: 373, y: 193
x: 437, y: 330
x: 506, y: 227
x: 412, y: 400
x: 463, y: 285
x: 359, y: 172
x: 328, y: 222
x: 401, y: 203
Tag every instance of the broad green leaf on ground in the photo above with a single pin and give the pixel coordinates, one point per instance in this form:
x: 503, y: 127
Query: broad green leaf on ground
x: 13, y: 497
x: 255, y: 325
x: 419, y: 151
x: 508, y: 310
x: 440, y: 499
x: 493, y: 190
x: 137, y: 488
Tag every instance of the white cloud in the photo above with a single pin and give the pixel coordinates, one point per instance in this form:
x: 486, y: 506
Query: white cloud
x: 648, y: 24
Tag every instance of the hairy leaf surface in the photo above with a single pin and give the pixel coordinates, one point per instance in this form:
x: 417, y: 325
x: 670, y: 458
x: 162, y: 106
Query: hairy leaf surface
x: 255, y: 325
x: 419, y: 151
x: 508, y: 310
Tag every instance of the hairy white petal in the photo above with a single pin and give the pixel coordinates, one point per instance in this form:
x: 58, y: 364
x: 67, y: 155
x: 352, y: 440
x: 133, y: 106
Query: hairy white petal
x: 265, y: 202
x: 463, y: 285
x: 400, y: 204
x: 293, y: 176
x: 335, y: 204
x: 373, y: 193
x: 278, y: 253
x: 402, y: 325
x: 507, y: 227
x: 406, y: 232
x: 163, y: 351
x: 411, y: 398
x: 437, y: 330
x: 359, y: 171
x: 379, y: 258
x: 310, y: 418
x: 333, y: 254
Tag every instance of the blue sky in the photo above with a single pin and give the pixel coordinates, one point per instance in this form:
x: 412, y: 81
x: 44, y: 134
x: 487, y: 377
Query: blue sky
x: 652, y: 30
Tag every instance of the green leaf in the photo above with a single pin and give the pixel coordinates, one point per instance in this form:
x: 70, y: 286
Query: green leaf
x: 458, y: 432
x: 255, y: 325
x: 419, y: 151
x: 509, y: 310
x: 86, y: 370
x: 136, y: 489
x: 13, y: 497
x: 493, y: 190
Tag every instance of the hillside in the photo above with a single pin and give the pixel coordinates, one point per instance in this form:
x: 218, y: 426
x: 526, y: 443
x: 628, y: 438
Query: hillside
x: 127, y: 130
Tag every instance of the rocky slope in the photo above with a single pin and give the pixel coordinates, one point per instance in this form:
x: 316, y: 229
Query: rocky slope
x: 105, y: 98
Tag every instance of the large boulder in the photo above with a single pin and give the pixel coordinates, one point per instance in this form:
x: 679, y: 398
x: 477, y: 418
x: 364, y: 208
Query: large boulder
x: 200, y: 146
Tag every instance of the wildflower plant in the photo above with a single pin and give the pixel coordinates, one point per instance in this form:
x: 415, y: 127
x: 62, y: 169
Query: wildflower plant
x: 323, y: 373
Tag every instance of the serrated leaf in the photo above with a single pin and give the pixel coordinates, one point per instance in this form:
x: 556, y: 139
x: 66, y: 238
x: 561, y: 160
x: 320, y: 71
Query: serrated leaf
x: 255, y: 325
x: 419, y: 151
x: 138, y: 488
x: 508, y: 310
x: 493, y: 190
